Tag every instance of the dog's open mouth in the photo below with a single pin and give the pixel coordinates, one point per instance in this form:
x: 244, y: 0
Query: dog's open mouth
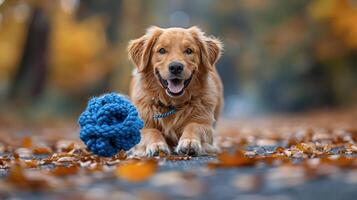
x: 174, y: 86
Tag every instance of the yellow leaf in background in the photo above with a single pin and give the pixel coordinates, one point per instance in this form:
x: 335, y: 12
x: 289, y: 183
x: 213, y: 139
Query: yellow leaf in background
x: 341, y: 16
x: 12, y: 37
x: 77, y: 51
x: 321, y: 9
x: 344, y: 22
x: 136, y: 170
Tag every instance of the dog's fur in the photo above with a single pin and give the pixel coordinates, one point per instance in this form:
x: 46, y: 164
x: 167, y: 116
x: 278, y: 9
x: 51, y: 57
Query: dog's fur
x: 190, y: 129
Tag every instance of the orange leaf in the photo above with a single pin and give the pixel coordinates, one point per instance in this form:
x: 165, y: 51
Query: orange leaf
x: 41, y: 150
x: 65, y: 171
x: 70, y: 147
x: 342, y: 162
x: 305, y: 148
x: 279, y: 150
x: 31, y: 163
x: 136, y: 170
x: 233, y: 160
x: 16, y: 174
x: 26, y: 142
x: 18, y: 178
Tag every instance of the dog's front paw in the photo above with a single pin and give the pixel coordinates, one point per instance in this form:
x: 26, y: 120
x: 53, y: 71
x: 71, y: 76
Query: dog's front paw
x: 191, y: 147
x: 138, y: 150
x: 150, y: 150
x: 156, y: 148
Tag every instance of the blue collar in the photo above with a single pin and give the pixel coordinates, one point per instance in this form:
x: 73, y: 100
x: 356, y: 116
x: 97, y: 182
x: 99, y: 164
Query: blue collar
x: 172, y: 110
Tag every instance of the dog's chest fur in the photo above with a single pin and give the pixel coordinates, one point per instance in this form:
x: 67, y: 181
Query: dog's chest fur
x: 172, y: 126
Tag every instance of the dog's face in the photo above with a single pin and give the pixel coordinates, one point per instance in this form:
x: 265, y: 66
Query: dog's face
x: 174, y: 56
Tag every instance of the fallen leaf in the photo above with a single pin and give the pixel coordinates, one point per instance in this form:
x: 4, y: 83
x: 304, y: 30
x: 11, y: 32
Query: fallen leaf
x: 233, y: 160
x: 136, y: 170
x: 65, y: 171
x: 341, y: 161
x: 41, y: 150
x: 280, y: 150
x: 31, y: 163
x: 66, y: 159
x: 16, y: 174
x: 26, y: 142
x: 95, y: 167
x: 307, y: 149
x: 18, y: 178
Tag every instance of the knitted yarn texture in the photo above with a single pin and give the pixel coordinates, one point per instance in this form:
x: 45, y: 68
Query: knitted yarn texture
x: 110, y: 123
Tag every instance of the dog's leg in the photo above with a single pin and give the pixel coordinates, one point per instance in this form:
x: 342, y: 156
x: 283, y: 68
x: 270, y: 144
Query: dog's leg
x: 196, y: 139
x: 151, y: 144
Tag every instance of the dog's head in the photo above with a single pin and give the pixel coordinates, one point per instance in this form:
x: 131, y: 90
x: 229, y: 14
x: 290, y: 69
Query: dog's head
x: 174, y: 56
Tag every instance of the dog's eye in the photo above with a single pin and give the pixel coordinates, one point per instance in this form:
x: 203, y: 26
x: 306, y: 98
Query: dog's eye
x: 188, y: 51
x: 162, y: 51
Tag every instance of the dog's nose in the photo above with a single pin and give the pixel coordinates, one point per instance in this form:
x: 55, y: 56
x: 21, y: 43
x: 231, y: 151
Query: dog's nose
x: 176, y: 68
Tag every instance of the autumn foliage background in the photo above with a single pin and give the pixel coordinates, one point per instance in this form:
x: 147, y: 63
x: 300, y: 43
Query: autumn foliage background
x: 289, y: 70
x: 280, y: 56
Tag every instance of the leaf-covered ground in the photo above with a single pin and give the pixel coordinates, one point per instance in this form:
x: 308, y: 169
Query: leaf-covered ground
x: 310, y: 156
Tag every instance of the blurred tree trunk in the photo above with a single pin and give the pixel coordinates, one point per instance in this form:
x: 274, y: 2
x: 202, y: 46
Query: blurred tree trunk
x: 30, y: 77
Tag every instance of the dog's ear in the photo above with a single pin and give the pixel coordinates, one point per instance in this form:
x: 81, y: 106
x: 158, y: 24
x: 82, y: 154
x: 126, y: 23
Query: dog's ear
x: 210, y: 47
x: 214, y: 49
x: 139, y: 50
x: 135, y: 50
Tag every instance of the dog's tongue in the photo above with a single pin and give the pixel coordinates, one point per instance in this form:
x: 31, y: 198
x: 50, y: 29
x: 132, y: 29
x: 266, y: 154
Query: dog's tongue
x: 175, y: 86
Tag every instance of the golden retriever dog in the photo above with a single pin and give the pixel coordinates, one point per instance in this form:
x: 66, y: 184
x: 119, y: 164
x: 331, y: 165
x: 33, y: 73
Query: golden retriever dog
x: 177, y: 90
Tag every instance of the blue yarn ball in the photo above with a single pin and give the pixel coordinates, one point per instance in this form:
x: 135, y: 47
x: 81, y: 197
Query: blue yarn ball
x: 110, y: 123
